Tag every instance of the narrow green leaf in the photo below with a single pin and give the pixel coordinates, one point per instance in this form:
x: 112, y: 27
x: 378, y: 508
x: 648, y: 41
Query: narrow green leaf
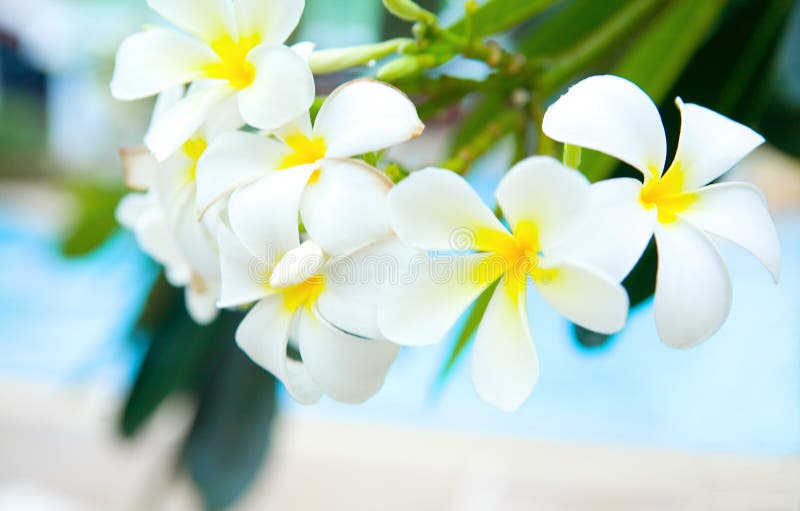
x: 568, y: 25
x: 497, y: 16
x: 470, y: 326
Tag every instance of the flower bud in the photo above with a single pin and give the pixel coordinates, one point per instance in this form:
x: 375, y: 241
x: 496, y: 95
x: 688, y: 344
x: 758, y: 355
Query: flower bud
x: 409, y: 11
x: 337, y: 59
x: 407, y: 65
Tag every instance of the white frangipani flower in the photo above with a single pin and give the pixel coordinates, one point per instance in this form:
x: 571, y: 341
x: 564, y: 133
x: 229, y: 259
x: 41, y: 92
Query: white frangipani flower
x: 230, y: 48
x: 544, y: 203
x: 163, y: 217
x: 693, y: 289
x: 359, y: 117
x: 292, y: 283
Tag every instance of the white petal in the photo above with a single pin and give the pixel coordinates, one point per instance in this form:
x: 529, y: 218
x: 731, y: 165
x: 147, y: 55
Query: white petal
x: 304, y: 49
x: 345, y: 208
x: 263, y: 335
x: 350, y: 298
x: 282, y: 89
x: 222, y: 119
x: 346, y: 368
x: 130, y: 208
x: 436, y: 209
x: 611, y: 115
x: 298, y: 265
x: 738, y: 212
x: 586, y: 297
x: 274, y: 20
x: 363, y: 116
x: 542, y: 190
x: 139, y: 167
x: 616, y: 231
x: 428, y: 301
x: 300, y: 125
x: 155, y: 60
x: 244, y: 276
x: 234, y: 160
x: 264, y: 215
x: 195, y: 241
x: 177, y: 125
x: 710, y: 144
x: 166, y: 100
x: 201, y: 302
x: 504, y: 364
x: 155, y: 238
x: 693, y: 289
x: 207, y: 19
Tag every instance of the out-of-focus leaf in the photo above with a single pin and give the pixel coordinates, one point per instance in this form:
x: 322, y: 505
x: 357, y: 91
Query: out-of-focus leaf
x: 178, y: 359
x: 641, y: 281
x: 231, y: 431
x: 470, y: 326
x: 95, y: 221
x: 482, y: 113
x: 657, y: 57
x: 497, y: 16
x: 570, y: 22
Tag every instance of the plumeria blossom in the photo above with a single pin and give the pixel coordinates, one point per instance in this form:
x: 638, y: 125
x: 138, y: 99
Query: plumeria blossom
x: 162, y: 215
x: 693, y: 289
x: 544, y: 203
x: 292, y: 285
x: 227, y: 48
x: 359, y: 117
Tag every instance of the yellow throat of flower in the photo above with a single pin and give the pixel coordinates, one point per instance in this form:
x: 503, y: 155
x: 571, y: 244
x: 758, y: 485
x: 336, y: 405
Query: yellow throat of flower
x: 194, y: 149
x: 304, y: 150
x: 666, y: 194
x: 514, y: 256
x: 303, y: 294
x: 233, y: 65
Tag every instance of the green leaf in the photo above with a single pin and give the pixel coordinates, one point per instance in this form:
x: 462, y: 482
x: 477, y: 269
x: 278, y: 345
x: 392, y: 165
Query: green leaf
x: 95, y: 221
x: 177, y: 359
x: 475, y: 122
x: 567, y: 26
x: 470, y: 326
x: 497, y: 16
x: 656, y: 59
x: 231, y: 431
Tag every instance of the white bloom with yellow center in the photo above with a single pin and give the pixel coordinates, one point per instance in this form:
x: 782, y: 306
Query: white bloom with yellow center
x: 359, y: 117
x: 544, y: 203
x: 162, y: 215
x: 263, y: 261
x: 229, y: 48
x: 693, y: 289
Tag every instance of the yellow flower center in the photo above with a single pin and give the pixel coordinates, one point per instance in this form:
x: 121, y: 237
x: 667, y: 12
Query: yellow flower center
x: 514, y: 256
x: 194, y: 149
x: 304, y: 293
x: 233, y: 65
x: 666, y: 194
x: 304, y: 150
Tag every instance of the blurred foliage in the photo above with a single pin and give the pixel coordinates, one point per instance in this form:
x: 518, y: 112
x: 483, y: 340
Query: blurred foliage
x: 234, y: 398
x: 95, y: 222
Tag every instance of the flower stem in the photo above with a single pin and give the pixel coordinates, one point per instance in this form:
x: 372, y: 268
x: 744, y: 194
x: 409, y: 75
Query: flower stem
x: 505, y: 122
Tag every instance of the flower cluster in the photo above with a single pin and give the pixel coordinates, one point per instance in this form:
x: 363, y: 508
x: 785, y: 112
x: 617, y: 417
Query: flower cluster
x: 248, y: 203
